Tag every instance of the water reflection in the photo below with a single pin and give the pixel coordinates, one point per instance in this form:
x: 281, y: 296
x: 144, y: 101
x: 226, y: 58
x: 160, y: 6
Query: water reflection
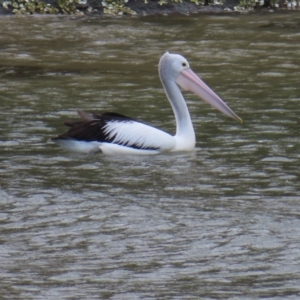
x: 221, y: 222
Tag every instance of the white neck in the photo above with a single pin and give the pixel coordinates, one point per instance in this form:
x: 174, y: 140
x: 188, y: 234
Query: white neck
x: 185, y: 134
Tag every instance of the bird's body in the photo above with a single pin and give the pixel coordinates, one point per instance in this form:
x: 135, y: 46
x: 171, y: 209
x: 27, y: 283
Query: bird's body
x: 115, y: 134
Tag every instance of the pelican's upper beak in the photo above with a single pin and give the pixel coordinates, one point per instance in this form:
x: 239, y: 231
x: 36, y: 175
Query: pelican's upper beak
x: 189, y: 81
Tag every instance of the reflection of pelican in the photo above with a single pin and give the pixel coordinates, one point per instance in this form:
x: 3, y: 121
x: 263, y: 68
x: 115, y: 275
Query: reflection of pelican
x: 112, y: 133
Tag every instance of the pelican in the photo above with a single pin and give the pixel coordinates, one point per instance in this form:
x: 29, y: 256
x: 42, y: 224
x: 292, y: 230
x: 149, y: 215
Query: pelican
x: 115, y: 134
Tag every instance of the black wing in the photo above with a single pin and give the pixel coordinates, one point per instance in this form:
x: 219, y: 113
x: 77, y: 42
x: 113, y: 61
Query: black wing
x: 93, y: 127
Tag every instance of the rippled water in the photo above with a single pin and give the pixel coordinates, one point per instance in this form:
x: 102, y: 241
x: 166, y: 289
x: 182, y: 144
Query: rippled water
x: 218, y: 223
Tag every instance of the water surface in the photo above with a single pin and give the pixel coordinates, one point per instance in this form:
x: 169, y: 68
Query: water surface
x: 221, y: 222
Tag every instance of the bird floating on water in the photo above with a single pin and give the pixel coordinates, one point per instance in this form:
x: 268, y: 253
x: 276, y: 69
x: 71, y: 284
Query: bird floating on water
x: 115, y: 134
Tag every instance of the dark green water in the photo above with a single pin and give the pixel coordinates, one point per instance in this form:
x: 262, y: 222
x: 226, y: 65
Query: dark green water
x: 221, y: 222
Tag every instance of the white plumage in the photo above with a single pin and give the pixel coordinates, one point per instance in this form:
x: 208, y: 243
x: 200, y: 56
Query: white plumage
x: 127, y: 133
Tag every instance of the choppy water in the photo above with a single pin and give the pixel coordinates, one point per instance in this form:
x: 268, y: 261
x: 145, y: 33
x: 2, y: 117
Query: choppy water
x: 222, y: 222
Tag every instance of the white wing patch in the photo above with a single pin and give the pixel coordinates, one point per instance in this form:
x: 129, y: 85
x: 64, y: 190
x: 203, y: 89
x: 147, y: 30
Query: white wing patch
x: 140, y: 135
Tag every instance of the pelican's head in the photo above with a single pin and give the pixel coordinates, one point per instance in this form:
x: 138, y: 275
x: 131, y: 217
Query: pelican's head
x: 172, y: 65
x: 176, y: 68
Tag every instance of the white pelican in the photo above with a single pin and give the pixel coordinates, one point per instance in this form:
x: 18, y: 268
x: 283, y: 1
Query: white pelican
x: 116, y: 134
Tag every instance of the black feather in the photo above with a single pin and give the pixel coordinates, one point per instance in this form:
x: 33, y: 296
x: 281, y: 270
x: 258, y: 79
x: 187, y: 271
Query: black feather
x: 92, y: 128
